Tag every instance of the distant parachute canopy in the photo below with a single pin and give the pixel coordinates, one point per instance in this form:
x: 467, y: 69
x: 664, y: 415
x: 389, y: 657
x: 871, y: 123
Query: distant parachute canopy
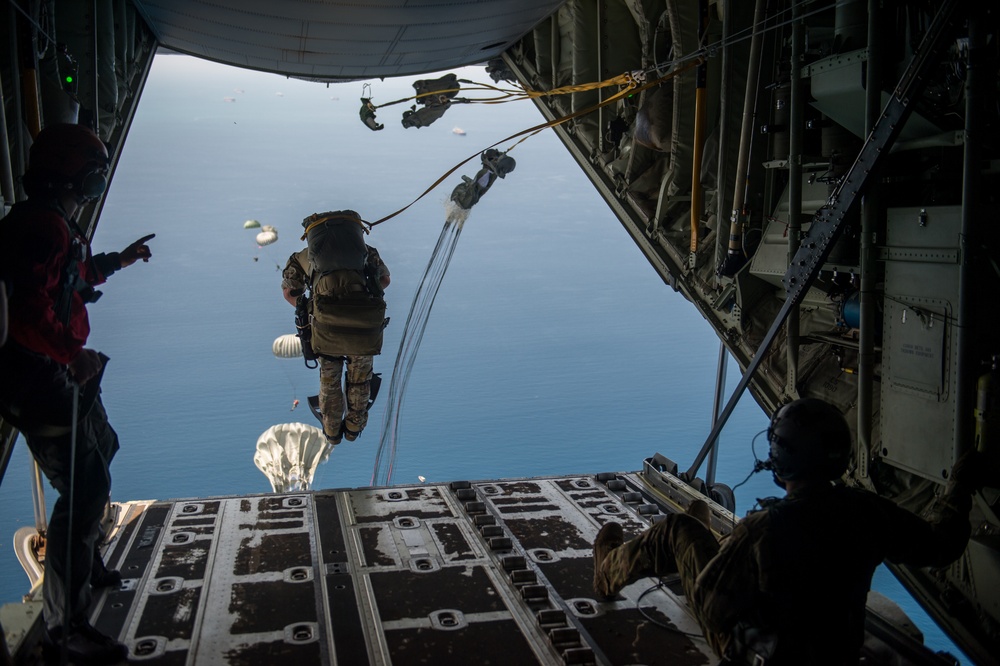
x: 251, y: 224
x: 287, y: 346
x: 267, y: 235
x: 288, y: 454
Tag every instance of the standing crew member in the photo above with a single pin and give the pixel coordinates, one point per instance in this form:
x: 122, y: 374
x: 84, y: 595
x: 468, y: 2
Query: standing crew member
x: 46, y: 374
x: 789, y: 584
x: 339, y: 282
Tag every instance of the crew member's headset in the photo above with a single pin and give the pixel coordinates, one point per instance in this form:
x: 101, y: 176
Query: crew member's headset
x: 807, y: 435
x: 91, y: 182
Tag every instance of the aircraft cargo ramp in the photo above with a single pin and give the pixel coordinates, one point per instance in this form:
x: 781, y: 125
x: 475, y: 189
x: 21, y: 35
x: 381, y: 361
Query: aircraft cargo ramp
x: 491, y: 572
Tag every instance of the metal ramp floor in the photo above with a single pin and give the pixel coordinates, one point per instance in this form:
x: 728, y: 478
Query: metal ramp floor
x: 491, y: 572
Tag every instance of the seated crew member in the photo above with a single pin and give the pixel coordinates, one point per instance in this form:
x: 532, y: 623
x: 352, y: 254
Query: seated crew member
x: 789, y: 584
x: 345, y: 279
x: 50, y: 272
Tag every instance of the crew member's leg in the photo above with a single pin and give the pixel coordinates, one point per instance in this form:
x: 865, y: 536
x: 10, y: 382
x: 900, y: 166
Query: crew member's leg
x: 107, y: 443
x: 331, y: 396
x: 359, y: 385
x: 680, y: 543
x: 91, y: 488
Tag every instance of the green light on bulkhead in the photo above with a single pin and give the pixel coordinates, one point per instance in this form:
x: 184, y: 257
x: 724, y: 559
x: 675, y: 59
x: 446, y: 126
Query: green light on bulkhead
x: 69, y: 79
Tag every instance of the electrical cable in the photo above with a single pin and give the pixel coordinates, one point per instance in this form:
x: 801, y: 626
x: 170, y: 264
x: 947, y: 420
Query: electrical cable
x: 642, y: 611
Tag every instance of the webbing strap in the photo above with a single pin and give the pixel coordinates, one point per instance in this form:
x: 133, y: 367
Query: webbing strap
x: 632, y: 87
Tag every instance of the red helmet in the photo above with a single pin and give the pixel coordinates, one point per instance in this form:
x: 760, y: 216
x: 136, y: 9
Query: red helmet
x: 67, y: 153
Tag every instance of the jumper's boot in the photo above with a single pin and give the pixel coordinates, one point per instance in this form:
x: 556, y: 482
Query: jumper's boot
x: 610, y: 537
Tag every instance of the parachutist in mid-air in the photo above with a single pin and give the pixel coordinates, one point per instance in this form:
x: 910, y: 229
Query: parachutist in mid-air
x: 337, y: 283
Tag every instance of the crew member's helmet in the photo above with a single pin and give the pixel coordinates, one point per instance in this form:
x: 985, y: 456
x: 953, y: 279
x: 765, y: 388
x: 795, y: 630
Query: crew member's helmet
x: 67, y: 156
x: 809, y: 439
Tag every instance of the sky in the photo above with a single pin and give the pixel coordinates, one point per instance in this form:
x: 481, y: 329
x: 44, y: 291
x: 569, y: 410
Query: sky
x: 552, y: 348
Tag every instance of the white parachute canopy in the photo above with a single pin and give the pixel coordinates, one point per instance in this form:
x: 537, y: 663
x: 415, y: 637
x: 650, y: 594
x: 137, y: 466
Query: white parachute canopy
x: 289, y: 453
x: 287, y: 346
x: 251, y: 224
x: 267, y: 235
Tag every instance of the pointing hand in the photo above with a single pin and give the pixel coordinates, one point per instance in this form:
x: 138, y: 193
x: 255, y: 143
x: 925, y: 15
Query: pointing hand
x: 135, y: 251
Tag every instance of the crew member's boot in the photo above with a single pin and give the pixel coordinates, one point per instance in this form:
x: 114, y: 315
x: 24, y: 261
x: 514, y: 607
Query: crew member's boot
x: 610, y: 536
x: 83, y: 645
x: 101, y: 576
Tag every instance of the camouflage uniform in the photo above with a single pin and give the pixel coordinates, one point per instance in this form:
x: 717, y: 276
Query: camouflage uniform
x: 331, y: 393
x: 336, y: 422
x: 797, y: 572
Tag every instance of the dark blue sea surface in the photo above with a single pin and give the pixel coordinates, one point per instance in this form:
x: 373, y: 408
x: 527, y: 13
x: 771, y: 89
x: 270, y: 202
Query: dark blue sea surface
x: 552, y: 348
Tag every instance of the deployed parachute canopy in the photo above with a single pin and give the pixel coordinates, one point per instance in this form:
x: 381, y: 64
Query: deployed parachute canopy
x: 287, y: 346
x: 289, y: 453
x: 251, y: 224
x: 267, y: 235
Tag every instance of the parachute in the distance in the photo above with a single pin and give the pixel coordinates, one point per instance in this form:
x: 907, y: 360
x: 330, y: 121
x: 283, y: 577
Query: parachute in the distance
x: 287, y: 346
x: 251, y: 224
x: 289, y: 453
x: 267, y: 235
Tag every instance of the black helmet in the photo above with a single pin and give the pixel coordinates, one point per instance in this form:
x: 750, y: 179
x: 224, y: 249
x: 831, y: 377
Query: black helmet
x: 809, y: 440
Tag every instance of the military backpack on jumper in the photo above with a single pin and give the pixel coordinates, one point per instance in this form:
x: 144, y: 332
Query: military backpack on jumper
x: 347, y: 311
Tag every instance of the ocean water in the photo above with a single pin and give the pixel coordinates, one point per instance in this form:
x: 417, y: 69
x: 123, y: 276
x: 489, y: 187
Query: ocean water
x: 552, y: 347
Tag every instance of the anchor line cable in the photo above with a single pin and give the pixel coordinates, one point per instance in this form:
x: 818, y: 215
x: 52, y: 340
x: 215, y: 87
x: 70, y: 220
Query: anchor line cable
x: 509, y: 94
x: 629, y: 80
x: 632, y: 90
